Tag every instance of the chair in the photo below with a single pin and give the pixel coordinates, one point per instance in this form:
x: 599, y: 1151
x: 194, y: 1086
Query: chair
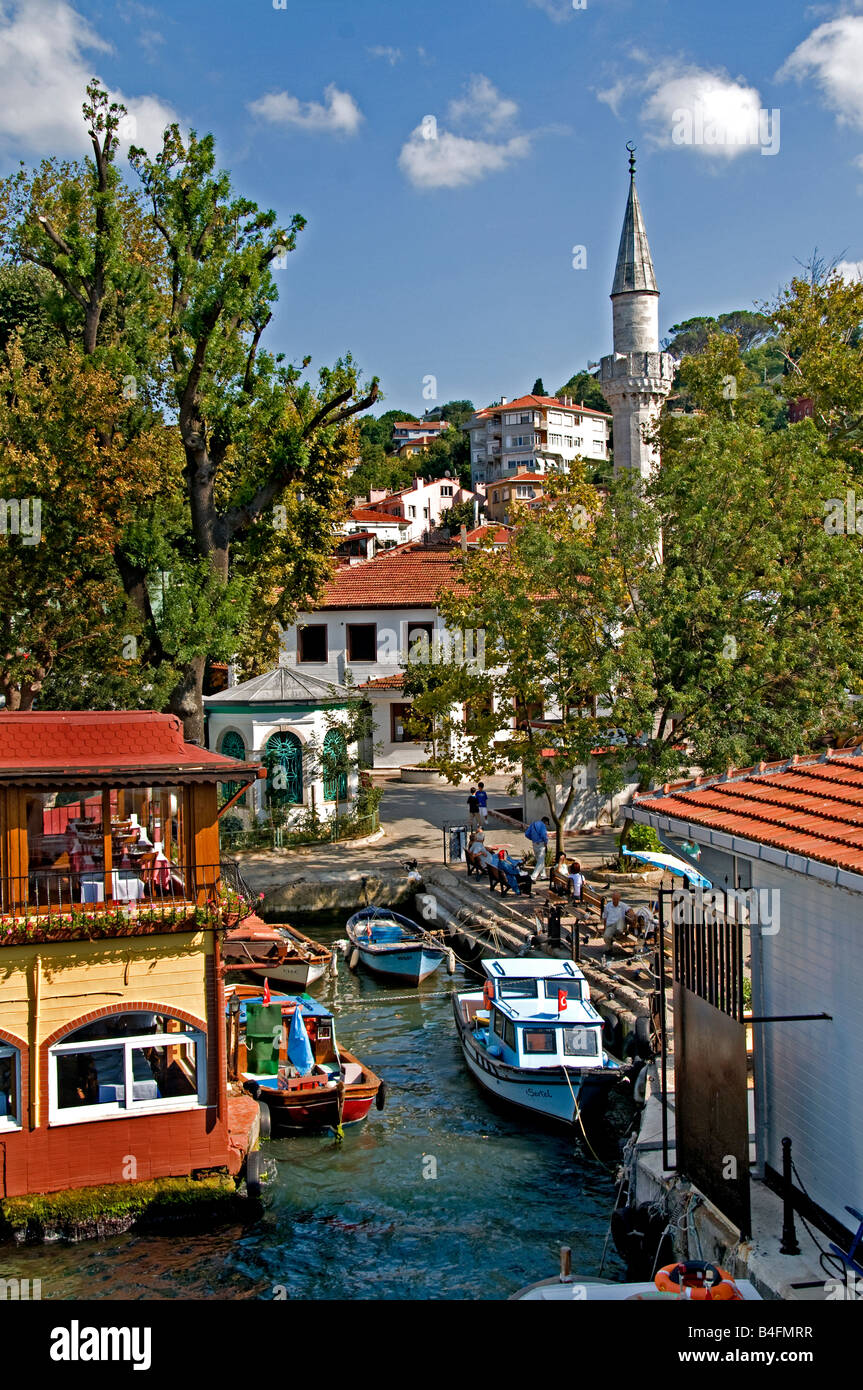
x: 475, y: 862
x: 852, y: 1258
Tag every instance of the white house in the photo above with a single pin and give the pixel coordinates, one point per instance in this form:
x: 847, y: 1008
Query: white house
x: 793, y: 833
x: 287, y: 720
x: 421, y: 505
x: 534, y: 434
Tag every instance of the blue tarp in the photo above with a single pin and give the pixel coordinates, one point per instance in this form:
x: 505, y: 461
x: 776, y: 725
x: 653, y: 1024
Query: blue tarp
x: 299, y: 1047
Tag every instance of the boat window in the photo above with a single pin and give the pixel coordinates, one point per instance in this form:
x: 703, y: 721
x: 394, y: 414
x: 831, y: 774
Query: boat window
x: 498, y: 1023
x: 568, y: 982
x: 517, y: 989
x: 509, y: 1034
x: 581, y: 1042
x: 538, y: 1040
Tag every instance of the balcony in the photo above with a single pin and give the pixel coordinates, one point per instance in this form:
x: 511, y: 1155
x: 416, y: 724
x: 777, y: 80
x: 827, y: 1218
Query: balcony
x: 148, y: 899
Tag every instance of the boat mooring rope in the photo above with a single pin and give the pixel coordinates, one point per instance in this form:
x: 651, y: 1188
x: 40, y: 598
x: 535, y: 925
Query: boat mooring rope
x: 581, y: 1123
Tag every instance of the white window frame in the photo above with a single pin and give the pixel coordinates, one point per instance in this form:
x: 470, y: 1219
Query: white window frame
x: 128, y: 1107
x: 12, y: 1122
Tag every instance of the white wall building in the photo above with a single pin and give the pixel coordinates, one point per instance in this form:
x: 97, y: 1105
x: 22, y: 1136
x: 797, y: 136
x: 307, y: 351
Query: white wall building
x: 421, y: 505
x: 534, y: 434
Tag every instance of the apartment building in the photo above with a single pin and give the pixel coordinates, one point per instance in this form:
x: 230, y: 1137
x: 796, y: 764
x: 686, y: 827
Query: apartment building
x: 421, y: 505
x: 410, y: 431
x: 534, y: 434
x: 523, y: 488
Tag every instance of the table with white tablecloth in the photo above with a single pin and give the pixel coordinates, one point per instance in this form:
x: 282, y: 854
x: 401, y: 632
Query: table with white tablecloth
x: 125, y: 887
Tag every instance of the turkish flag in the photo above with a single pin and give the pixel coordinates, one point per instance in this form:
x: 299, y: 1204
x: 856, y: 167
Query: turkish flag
x: 561, y: 1000
x: 267, y: 995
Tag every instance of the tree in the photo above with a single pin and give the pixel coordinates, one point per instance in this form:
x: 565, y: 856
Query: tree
x: 538, y: 389
x: 173, y: 289
x: 584, y: 389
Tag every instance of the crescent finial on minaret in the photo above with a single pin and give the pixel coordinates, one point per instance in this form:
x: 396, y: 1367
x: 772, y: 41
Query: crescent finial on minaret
x: 632, y: 148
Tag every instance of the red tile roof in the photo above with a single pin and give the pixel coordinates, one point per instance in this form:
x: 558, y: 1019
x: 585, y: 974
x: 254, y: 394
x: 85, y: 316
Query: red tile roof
x: 519, y: 478
x: 499, y: 534
x: 370, y: 516
x: 408, y: 576
x: 808, y: 806
x: 383, y: 683
x: 420, y: 424
x: 66, y: 746
x: 542, y: 403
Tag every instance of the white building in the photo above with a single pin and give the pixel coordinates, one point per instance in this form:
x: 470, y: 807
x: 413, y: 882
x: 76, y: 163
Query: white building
x: 421, y: 505
x: 534, y: 434
x: 287, y: 720
x: 790, y: 833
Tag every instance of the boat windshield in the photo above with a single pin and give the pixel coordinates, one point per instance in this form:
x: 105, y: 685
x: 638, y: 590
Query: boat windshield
x: 538, y: 1040
x: 581, y: 1042
x: 556, y: 982
x: 517, y: 989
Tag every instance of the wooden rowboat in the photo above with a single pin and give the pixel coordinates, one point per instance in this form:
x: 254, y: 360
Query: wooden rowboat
x: 276, y: 952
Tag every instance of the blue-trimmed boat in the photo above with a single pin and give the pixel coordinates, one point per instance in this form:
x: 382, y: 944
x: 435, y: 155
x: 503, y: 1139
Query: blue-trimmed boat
x: 393, y: 946
x: 532, y: 1037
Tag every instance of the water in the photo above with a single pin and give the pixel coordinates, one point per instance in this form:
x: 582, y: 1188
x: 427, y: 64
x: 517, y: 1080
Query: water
x: 443, y: 1195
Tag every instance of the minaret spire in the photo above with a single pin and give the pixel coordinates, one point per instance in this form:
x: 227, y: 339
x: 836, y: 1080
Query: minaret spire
x: 637, y: 377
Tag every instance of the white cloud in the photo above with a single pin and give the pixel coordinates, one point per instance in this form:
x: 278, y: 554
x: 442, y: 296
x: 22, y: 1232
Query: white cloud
x: 45, y: 65
x: 483, y: 104
x: 340, y: 114
x: 851, y: 271
x: 392, y: 55
x: 558, y: 10
x: 452, y: 161
x: 833, y: 56
x: 724, y: 114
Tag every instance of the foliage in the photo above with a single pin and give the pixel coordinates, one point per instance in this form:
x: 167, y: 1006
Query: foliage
x: 537, y: 389
x: 584, y: 389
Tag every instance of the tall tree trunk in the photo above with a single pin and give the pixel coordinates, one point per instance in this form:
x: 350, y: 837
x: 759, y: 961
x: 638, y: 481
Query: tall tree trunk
x: 187, y: 700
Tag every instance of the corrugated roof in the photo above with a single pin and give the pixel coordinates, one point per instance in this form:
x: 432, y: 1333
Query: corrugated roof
x: 808, y: 806
x: 285, y: 685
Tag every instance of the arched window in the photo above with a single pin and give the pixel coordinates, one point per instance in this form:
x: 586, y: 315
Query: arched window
x: 335, y: 766
x: 10, y: 1087
x: 127, y: 1063
x: 283, y: 757
x: 232, y: 745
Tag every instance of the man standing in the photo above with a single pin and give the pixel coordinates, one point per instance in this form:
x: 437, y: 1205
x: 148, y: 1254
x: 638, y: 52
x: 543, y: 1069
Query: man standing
x: 537, y: 833
x: 613, y: 920
x: 482, y: 802
x: 473, y: 809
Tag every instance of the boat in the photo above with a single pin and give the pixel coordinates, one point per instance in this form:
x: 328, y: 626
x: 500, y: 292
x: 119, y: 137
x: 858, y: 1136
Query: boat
x: 532, y: 1038
x: 574, y: 1288
x: 394, y: 947
x: 277, y: 952
x: 333, y: 1089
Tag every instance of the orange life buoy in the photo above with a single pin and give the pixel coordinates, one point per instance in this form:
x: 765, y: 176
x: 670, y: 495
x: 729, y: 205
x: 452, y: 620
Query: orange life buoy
x: 698, y: 1280
x: 487, y: 993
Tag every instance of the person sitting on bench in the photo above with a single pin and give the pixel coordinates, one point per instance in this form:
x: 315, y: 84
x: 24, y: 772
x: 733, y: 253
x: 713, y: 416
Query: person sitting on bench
x: 516, y: 878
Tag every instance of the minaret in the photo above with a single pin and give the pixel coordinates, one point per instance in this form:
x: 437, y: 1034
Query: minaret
x: 637, y: 377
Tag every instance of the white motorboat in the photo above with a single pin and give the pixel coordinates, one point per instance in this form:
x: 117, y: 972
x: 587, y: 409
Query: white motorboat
x: 532, y: 1037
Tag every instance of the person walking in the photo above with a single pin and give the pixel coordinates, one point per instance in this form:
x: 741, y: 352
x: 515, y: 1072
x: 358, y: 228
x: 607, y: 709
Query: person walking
x: 473, y: 809
x: 537, y: 833
x: 482, y: 802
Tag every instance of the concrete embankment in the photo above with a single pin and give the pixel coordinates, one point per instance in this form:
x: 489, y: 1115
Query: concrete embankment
x: 301, y: 894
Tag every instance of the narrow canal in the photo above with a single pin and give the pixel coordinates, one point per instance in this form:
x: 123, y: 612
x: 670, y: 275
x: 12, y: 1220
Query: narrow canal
x: 440, y: 1196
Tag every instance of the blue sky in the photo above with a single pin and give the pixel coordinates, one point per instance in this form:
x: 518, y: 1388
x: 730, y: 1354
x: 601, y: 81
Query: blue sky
x: 451, y: 257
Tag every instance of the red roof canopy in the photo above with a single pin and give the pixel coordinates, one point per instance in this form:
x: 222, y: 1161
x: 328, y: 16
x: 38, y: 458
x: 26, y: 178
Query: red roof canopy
x: 807, y: 806
x: 107, y: 747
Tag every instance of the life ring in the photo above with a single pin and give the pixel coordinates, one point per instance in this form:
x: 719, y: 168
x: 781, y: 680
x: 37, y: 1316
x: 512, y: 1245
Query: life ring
x: 698, y: 1280
x: 487, y: 993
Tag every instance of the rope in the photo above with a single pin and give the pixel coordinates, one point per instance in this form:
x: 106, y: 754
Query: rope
x: 581, y: 1123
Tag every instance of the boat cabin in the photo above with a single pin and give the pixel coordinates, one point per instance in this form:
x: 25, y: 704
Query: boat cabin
x: 255, y: 1033
x: 112, y: 905
x: 537, y: 1013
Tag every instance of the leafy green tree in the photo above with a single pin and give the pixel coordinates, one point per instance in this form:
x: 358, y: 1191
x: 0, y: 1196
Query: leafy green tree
x: 171, y: 287
x: 538, y: 389
x: 585, y: 390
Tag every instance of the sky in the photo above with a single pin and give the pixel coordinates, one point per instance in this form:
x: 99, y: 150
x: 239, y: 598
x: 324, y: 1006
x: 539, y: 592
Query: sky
x: 462, y: 165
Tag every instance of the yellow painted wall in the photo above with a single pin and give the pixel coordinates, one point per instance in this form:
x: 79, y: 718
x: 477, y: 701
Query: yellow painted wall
x: 77, y: 977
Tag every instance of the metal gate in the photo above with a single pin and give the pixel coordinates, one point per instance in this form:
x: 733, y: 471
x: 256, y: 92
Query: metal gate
x: 710, y: 1067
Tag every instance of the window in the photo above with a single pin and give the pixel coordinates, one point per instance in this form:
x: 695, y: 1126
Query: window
x: 412, y: 512
x: 446, y: 491
x: 567, y: 982
x: 127, y: 1063
x: 494, y: 497
x: 312, y: 643
x: 335, y: 754
x: 581, y: 1042
x: 362, y: 641
x: 509, y: 1034
x: 517, y: 989
x: 400, y: 733
x: 283, y: 759
x: 232, y: 745
x: 420, y: 642
x: 10, y: 1087
x: 536, y: 1040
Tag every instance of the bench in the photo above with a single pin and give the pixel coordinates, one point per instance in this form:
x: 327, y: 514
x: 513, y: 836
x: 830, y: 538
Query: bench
x: 496, y: 877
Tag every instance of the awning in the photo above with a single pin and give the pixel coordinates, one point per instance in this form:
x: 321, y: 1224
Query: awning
x: 670, y: 863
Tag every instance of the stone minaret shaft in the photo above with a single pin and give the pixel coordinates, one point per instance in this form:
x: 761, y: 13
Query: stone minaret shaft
x: 637, y: 377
